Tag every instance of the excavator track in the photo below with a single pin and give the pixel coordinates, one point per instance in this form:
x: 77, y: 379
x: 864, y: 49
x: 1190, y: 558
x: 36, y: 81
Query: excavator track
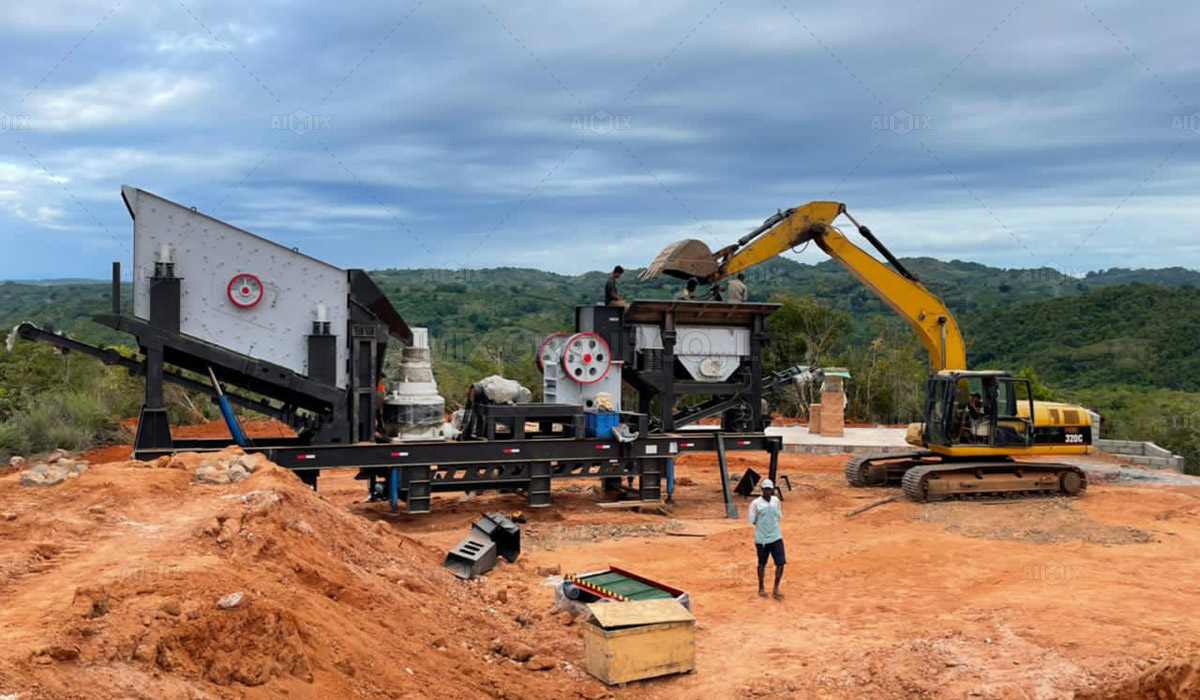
x: 885, y: 469
x: 992, y: 479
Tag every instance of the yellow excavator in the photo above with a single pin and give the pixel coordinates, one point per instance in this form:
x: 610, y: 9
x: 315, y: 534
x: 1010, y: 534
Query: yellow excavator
x: 975, y: 423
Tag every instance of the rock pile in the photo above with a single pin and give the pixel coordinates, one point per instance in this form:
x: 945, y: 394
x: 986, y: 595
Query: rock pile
x: 58, y: 468
x: 227, y: 469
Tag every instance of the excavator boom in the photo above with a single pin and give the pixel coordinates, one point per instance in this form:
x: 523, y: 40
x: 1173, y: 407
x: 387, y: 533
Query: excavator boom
x: 974, y: 460
x: 895, y: 285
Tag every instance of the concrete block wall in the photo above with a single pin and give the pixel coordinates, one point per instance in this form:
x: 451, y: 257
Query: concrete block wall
x: 1146, y: 454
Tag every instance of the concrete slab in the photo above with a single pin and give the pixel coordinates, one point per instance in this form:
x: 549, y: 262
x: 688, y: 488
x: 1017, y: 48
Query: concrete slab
x: 1102, y: 467
x: 797, y: 440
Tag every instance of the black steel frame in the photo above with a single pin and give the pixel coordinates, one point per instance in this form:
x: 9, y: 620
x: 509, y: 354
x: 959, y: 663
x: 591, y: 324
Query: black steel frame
x: 413, y: 471
x: 336, y: 427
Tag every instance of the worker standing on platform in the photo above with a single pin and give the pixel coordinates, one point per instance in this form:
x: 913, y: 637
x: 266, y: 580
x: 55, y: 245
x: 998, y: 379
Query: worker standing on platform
x: 765, y: 513
x: 688, y: 290
x: 737, y: 288
x: 612, y: 296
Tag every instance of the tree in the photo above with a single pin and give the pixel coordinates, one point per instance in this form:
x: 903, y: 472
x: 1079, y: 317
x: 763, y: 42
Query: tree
x: 804, y: 329
x: 1040, y: 391
x: 887, y: 377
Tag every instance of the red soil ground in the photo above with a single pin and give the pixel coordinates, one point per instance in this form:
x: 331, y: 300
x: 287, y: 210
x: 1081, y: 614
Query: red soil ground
x: 110, y: 585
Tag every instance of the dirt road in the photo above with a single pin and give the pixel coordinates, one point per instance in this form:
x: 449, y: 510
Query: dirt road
x: 110, y: 585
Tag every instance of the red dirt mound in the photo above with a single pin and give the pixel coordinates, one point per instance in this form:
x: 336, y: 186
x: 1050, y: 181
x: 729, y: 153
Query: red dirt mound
x: 124, y: 583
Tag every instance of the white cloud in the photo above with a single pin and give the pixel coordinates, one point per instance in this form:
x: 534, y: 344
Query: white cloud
x: 23, y: 195
x: 64, y: 15
x: 115, y: 99
x: 230, y: 36
x: 91, y: 177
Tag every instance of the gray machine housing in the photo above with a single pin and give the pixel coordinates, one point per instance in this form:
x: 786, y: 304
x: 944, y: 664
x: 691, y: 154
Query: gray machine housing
x: 311, y: 347
x: 208, y: 254
x: 668, y: 350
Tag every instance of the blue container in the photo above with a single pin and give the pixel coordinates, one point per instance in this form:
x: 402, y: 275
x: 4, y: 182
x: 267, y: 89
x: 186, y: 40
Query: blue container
x: 600, y: 424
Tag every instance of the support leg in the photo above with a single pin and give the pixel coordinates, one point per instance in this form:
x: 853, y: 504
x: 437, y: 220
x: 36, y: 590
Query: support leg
x: 649, y: 479
x: 539, y: 484
x: 670, y: 482
x: 731, y: 510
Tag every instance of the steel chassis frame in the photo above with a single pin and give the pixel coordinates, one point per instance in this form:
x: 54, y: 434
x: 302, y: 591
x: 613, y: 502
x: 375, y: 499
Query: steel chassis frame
x: 413, y: 471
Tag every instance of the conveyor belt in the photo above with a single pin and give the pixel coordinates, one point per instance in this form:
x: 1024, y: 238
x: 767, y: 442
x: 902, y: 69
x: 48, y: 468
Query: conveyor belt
x: 623, y: 586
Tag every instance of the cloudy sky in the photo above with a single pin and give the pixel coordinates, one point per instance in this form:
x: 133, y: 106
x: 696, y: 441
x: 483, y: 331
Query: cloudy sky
x: 574, y: 135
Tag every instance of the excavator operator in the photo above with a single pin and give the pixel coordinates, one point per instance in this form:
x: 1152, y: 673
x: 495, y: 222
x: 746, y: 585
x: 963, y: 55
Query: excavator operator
x: 974, y: 424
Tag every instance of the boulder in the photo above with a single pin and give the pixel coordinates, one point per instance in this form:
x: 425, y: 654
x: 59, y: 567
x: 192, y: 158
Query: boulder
x: 212, y: 473
x: 300, y: 526
x: 224, y: 470
x: 34, y: 478
x: 517, y: 651
x: 71, y: 467
x: 250, y: 463
x: 231, y: 601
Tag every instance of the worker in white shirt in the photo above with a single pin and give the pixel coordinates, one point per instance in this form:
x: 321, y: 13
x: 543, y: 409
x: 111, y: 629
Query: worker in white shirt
x: 688, y: 290
x: 737, y: 288
x: 765, y: 513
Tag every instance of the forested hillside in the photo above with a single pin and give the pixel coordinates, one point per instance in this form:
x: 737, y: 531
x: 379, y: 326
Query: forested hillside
x: 1138, y: 335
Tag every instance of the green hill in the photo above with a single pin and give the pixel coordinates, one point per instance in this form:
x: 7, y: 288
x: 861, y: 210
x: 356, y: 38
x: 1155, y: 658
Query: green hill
x: 478, y: 301
x: 1138, y: 335
x: 1120, y: 341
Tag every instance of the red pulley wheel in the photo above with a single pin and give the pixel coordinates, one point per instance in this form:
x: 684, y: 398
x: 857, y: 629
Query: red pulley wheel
x: 586, y: 358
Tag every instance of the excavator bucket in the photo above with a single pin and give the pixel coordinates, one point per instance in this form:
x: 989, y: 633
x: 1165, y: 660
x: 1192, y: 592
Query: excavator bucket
x: 683, y: 259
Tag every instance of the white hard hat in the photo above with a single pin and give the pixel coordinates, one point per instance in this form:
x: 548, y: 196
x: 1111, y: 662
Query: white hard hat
x: 768, y: 484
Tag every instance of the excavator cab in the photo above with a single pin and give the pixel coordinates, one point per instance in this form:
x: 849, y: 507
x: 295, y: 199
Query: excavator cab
x: 978, y: 409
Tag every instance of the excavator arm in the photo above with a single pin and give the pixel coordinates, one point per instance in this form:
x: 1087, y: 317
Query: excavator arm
x: 895, y: 285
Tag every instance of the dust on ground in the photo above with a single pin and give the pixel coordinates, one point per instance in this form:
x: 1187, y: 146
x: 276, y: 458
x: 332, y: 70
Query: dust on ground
x: 1039, y: 521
